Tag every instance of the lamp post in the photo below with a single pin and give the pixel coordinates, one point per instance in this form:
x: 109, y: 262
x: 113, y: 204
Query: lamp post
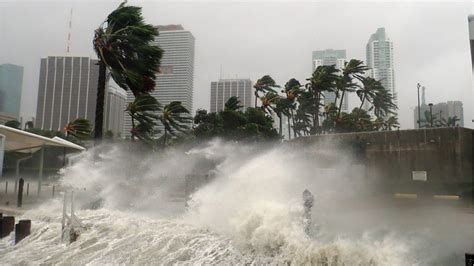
x: 431, y: 114
x: 419, y: 114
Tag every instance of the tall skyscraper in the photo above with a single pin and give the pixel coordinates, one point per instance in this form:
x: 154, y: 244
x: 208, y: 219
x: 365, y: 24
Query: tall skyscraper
x: 175, y: 80
x: 326, y: 58
x: 67, y: 90
x: 379, y: 52
x: 11, y: 82
x: 223, y: 89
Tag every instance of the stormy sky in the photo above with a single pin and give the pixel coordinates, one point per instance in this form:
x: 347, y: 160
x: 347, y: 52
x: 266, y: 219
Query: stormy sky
x: 251, y: 39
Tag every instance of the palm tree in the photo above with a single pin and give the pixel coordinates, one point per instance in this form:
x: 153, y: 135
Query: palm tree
x: 268, y: 101
x: 452, y: 121
x: 292, y: 91
x: 323, y: 80
x: 383, y: 102
x: 367, y: 91
x: 175, y: 117
x: 264, y: 85
x: 354, y: 70
x: 282, y: 107
x: 233, y: 103
x: 80, y: 128
x: 124, y: 46
x: 392, y: 122
x: 144, y: 112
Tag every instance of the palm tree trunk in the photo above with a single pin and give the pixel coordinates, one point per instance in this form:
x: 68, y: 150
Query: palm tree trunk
x: 316, y: 112
x: 358, y: 111
x: 133, y: 127
x: 289, y: 128
x: 340, y: 106
x: 293, y: 122
x: 256, y: 96
x: 281, y: 125
x: 164, y: 138
x: 99, y: 107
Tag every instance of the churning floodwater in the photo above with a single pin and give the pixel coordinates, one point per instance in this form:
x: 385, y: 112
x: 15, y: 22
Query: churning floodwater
x: 247, y: 210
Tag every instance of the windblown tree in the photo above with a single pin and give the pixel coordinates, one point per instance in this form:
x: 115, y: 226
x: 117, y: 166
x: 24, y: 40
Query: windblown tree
x: 233, y: 104
x: 368, y: 90
x: 292, y: 90
x: 175, y: 118
x: 124, y: 46
x: 264, y: 85
x: 352, y: 72
x: 452, y: 121
x: 323, y: 80
x: 144, y: 113
x: 80, y: 128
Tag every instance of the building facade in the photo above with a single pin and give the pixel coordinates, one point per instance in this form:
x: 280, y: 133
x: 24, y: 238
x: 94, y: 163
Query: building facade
x: 115, y: 105
x: 11, y: 83
x: 67, y: 90
x: 379, y: 52
x: 174, y: 81
x: 326, y: 58
x: 223, y: 89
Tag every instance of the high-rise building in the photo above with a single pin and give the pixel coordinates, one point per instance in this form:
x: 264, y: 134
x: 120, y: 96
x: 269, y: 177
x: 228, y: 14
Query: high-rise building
x: 379, y: 52
x: 11, y: 82
x: 223, y: 89
x: 174, y: 82
x: 67, y: 90
x: 442, y: 112
x: 326, y: 58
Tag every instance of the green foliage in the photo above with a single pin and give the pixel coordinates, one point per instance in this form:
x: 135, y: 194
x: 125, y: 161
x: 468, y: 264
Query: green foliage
x: 264, y: 85
x: 144, y: 113
x: 233, y: 104
x: 175, y: 118
x: 13, y: 124
x: 125, y: 43
x: 251, y: 125
x: 80, y: 128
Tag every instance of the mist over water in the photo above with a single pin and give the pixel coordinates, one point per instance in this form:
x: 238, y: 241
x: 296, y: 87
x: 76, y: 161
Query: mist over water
x: 249, y: 211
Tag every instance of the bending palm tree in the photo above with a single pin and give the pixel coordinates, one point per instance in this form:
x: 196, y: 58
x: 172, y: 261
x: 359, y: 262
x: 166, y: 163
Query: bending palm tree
x: 175, y: 117
x: 264, y: 85
x: 323, y: 80
x: 79, y: 128
x: 124, y: 46
x: 233, y: 104
x: 143, y: 111
x: 367, y: 91
x: 292, y: 91
x: 352, y: 70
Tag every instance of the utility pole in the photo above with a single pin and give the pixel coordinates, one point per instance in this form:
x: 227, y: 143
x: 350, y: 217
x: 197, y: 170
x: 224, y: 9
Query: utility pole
x: 419, y: 111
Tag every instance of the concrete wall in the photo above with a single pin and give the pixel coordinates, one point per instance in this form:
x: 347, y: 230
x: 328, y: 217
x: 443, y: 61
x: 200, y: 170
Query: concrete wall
x: 390, y: 158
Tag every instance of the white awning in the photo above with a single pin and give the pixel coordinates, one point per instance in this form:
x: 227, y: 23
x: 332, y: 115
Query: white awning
x: 23, y: 141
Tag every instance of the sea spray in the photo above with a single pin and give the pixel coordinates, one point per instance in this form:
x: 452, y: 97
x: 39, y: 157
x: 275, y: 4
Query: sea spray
x: 250, y: 212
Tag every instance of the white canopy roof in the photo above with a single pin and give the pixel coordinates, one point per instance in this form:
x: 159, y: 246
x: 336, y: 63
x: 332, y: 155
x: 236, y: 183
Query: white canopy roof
x: 22, y: 141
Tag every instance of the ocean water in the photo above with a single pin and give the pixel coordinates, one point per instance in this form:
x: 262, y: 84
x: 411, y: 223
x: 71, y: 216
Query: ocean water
x: 250, y: 212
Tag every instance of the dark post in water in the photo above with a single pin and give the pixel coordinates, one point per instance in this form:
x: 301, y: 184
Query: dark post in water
x: 22, y: 230
x: 20, y: 193
x: 308, y: 199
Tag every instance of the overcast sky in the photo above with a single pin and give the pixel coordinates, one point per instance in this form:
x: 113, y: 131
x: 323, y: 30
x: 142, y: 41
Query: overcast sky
x: 251, y: 39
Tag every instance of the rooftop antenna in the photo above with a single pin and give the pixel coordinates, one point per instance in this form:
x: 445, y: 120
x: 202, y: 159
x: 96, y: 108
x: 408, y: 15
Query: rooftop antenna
x: 69, y: 33
x: 423, y: 100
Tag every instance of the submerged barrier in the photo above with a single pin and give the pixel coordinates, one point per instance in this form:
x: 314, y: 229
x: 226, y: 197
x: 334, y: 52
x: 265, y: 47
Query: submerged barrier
x: 7, y: 225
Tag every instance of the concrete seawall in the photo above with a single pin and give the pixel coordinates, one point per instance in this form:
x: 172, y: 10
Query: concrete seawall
x: 402, y: 160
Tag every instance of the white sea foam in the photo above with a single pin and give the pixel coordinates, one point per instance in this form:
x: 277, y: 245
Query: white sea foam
x: 249, y: 213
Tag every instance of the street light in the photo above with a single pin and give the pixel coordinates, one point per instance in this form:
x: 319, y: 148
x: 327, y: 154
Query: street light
x: 419, y: 114
x: 431, y: 114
